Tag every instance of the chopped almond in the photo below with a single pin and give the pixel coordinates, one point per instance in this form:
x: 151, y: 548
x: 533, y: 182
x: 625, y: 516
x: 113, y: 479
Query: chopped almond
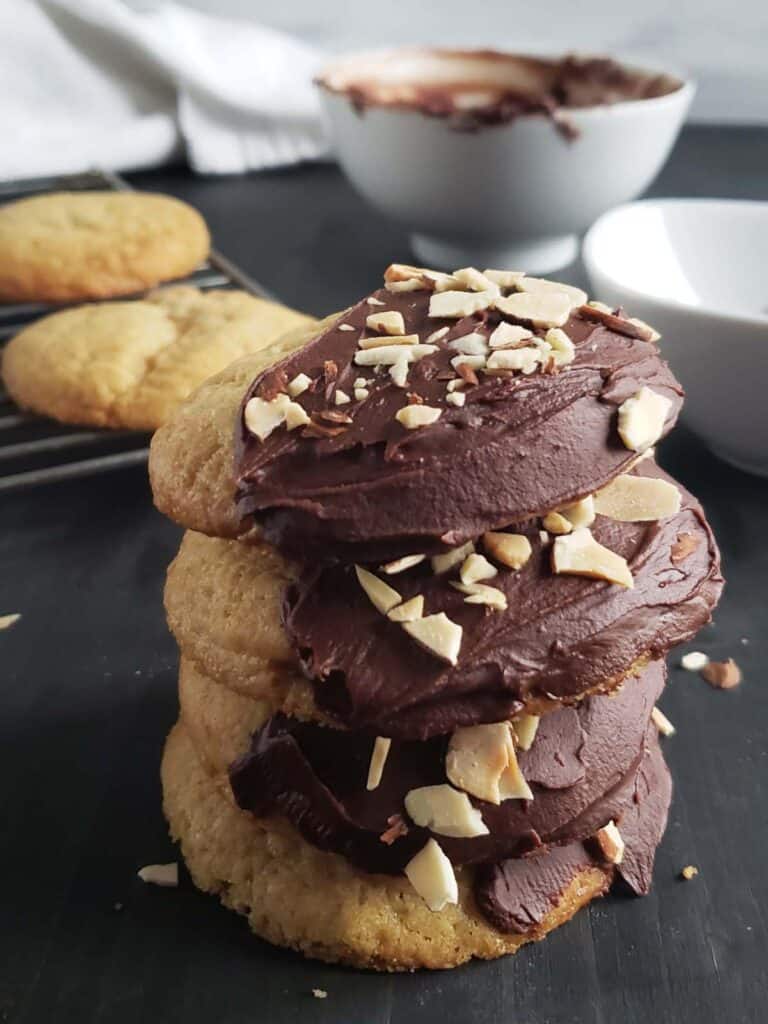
x: 446, y: 562
x: 511, y: 549
x: 414, y: 416
x: 642, y: 418
x: 431, y: 875
x: 610, y: 842
x: 637, y: 499
x: 390, y: 322
x: 446, y: 811
x: 383, y: 597
x: 438, y: 635
x: 723, y: 675
x: 579, y: 554
x: 475, y: 568
x: 379, y: 756
x: 408, y: 611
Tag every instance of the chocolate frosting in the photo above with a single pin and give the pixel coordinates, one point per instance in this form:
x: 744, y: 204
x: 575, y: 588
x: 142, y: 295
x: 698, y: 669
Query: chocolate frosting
x: 516, y: 894
x: 519, y: 447
x: 582, y: 769
x: 559, y: 636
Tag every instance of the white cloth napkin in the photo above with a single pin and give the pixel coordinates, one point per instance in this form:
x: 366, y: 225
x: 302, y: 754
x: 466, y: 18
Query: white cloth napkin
x: 87, y: 83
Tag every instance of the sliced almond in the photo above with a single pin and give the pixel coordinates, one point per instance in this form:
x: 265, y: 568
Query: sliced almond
x: 648, y: 333
x: 401, y: 564
x: 642, y: 419
x: 457, y: 398
x: 479, y: 593
x: 436, y: 335
x: 525, y: 728
x: 262, y: 417
x: 389, y: 322
x: 378, y: 341
x: 481, y: 760
x: 511, y: 549
x: 373, y: 301
x: 398, y: 371
x: 299, y: 385
x: 539, y: 285
x: 165, y: 875
x: 509, y: 336
x: 381, y: 595
x: 379, y: 755
x: 446, y: 562
x: 562, y: 347
x: 414, y: 416
x: 454, y: 305
x: 637, y: 499
x: 6, y: 621
x: 579, y: 554
x: 610, y: 842
x: 346, y: 327
x: 475, y: 568
x: 523, y: 359
x: 446, y: 811
x: 602, y: 307
x: 416, y: 284
x: 473, y: 344
x: 408, y: 611
x: 473, y: 362
x: 431, y: 875
x: 438, y: 635
x: 542, y: 309
x: 387, y: 355
x: 341, y: 397
x: 580, y: 513
x: 556, y: 523
x: 505, y: 278
x: 475, y: 281
x: 662, y: 723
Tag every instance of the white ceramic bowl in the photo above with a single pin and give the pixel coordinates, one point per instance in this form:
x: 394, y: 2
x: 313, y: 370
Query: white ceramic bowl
x: 514, y: 194
x: 696, y: 270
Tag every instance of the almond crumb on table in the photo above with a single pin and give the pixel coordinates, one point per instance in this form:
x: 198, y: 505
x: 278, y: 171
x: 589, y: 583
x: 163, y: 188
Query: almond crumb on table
x: 723, y: 675
x: 689, y: 871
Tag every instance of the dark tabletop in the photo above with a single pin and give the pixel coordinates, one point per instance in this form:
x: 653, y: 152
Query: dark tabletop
x: 87, y: 694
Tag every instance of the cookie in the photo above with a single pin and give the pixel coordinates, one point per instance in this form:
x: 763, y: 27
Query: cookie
x: 191, y: 456
x: 297, y: 896
x: 224, y: 602
x: 71, y: 246
x: 130, y: 364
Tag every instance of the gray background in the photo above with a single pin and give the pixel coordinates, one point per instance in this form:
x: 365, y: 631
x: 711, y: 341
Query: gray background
x: 722, y: 44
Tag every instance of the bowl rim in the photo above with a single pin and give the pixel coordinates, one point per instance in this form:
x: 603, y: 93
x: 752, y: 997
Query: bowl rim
x: 684, y: 94
x: 590, y: 260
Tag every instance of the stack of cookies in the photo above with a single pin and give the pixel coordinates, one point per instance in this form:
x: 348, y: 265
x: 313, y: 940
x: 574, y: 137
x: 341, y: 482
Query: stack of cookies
x: 430, y: 576
x: 123, y: 365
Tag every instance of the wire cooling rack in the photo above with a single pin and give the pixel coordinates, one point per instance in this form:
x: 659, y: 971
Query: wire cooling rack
x: 35, y: 450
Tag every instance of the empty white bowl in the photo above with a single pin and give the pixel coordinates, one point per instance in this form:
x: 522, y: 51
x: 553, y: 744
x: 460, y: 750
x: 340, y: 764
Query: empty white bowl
x: 511, y: 194
x: 696, y: 270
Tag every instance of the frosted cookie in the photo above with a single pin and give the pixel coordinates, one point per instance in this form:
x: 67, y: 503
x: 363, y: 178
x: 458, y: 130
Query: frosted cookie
x: 130, y: 364
x: 70, y: 246
x: 316, y: 902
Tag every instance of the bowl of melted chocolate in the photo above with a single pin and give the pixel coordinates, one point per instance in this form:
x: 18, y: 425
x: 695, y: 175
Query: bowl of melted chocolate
x: 499, y: 159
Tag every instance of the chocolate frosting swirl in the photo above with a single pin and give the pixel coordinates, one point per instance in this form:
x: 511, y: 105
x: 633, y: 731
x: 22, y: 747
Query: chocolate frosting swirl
x: 582, y: 769
x: 520, y: 446
x: 559, y: 636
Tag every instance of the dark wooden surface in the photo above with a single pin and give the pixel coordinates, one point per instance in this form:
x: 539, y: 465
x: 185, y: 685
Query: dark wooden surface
x: 87, y: 695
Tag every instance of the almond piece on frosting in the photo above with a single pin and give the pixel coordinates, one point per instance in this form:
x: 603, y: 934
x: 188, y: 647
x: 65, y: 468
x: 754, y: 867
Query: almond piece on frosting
x: 389, y: 322
x: 563, y: 350
x: 473, y: 344
x: 379, y: 756
x: 479, y: 593
x: 505, y: 278
x: 262, y: 417
x: 299, y: 385
x: 387, y: 355
x: 431, y: 875
x: 378, y: 340
x: 610, y: 842
x: 637, y: 499
x: 642, y: 418
x: 401, y: 564
x: 579, y: 554
x: 509, y: 335
x: 580, y: 513
x: 523, y: 359
x: 446, y: 562
x: 525, y: 728
x: 446, y: 811
x: 438, y: 635
x: 408, y: 611
x: 475, y: 281
x: 481, y: 760
x: 557, y: 523
x: 475, y: 568
x: 511, y: 549
x: 542, y: 309
x: 537, y: 285
x: 414, y: 416
x: 383, y: 597
x: 455, y: 305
